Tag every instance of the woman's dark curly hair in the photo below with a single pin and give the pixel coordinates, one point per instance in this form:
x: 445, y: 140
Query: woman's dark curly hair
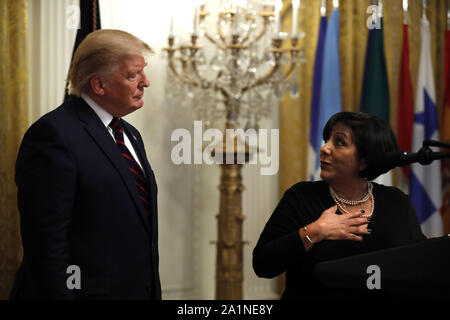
x: 371, y: 135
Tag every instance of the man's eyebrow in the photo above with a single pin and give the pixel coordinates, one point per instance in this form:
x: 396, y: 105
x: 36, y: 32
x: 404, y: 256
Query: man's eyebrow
x: 139, y: 68
x: 134, y: 70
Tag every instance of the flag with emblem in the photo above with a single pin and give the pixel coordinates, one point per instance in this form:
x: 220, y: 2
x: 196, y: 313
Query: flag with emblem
x: 425, y: 180
x: 445, y: 135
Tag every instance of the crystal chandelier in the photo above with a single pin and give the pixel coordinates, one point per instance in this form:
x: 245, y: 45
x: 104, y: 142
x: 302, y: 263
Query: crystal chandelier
x: 247, y: 72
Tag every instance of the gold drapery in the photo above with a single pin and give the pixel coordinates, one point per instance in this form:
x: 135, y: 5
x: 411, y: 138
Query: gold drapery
x: 295, y: 113
x: 13, y: 123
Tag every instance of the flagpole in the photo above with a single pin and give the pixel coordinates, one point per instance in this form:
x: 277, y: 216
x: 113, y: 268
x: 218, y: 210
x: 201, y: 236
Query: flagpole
x: 380, y: 9
x: 448, y: 14
x: 377, y: 14
x: 336, y: 4
x: 405, y: 11
x: 424, y: 9
x: 405, y: 115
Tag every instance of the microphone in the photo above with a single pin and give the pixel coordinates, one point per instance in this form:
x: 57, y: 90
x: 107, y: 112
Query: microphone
x: 400, y: 158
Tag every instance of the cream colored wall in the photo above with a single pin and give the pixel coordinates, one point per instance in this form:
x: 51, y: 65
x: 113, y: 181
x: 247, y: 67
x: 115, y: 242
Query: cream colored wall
x: 188, y: 196
x: 51, y: 45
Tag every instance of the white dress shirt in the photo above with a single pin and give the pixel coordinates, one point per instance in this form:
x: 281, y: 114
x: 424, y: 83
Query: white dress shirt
x: 106, y: 118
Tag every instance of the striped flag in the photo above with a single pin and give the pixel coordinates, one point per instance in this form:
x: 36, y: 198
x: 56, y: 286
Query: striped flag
x: 375, y: 89
x: 445, y: 136
x: 314, y: 134
x: 405, y: 116
x: 330, y: 101
x: 425, y: 181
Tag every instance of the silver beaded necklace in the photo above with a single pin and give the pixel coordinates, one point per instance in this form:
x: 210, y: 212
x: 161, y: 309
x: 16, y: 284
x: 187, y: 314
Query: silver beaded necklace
x: 342, y: 202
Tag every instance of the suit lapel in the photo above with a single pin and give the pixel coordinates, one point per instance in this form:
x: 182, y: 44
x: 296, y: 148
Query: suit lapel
x: 139, y: 148
x: 100, y: 134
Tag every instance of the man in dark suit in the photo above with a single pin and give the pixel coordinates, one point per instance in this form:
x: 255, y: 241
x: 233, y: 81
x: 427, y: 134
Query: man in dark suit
x: 86, y: 191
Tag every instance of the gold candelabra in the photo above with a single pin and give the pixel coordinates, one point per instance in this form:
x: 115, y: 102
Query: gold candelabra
x: 236, y: 86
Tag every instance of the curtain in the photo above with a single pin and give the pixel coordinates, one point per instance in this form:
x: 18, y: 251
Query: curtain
x: 295, y: 113
x: 13, y: 123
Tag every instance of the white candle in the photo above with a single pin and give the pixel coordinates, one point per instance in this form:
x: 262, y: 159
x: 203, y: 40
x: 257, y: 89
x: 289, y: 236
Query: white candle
x: 171, y: 26
x: 295, y: 6
x: 278, y: 6
x: 195, y: 31
x: 235, y: 29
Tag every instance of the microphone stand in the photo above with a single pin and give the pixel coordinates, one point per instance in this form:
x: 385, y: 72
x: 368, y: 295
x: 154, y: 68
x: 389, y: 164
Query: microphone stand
x: 426, y: 155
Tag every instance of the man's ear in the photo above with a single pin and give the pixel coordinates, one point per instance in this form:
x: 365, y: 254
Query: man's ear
x: 96, y: 83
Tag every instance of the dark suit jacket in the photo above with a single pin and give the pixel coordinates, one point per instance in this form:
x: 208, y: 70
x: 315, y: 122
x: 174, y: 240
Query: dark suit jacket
x: 79, y: 206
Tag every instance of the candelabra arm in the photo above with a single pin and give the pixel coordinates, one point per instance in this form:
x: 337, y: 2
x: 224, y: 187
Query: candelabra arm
x: 184, y: 78
x: 224, y: 93
x: 174, y: 69
x: 197, y: 74
x: 277, y: 51
x: 222, y: 36
x: 184, y: 66
x: 249, y: 32
x: 263, y: 79
x: 247, y: 36
x: 205, y: 84
x: 214, y: 42
x: 261, y: 34
x: 292, y: 66
x: 284, y: 76
x: 290, y: 70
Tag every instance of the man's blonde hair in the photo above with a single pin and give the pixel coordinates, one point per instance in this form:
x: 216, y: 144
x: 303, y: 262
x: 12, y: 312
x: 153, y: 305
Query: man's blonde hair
x: 99, y: 53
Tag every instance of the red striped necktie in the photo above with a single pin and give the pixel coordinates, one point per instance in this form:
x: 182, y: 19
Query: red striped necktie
x: 135, y: 169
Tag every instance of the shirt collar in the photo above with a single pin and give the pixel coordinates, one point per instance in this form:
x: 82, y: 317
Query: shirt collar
x: 104, y: 115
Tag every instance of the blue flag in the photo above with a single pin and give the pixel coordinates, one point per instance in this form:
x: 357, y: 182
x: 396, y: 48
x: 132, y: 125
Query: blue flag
x: 314, y: 145
x: 330, y: 88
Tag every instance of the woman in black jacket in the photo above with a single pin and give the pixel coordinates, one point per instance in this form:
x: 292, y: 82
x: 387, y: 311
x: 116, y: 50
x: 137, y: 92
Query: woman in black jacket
x: 342, y: 215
